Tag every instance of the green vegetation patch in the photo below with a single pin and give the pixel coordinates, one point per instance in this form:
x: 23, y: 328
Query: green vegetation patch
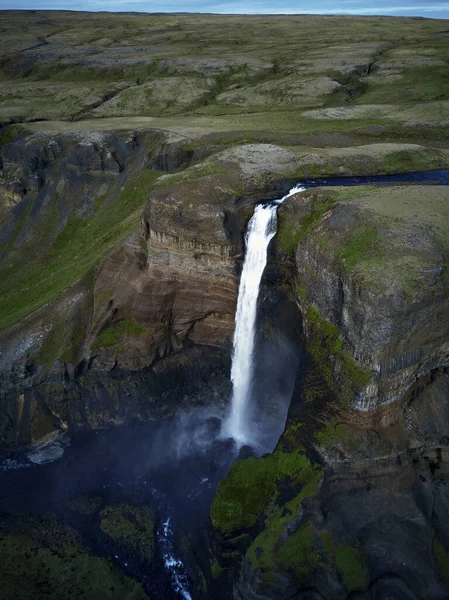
x: 113, y: 334
x: 334, y: 434
x: 32, y: 277
x: 442, y: 559
x: 215, y: 568
x: 250, y: 483
x: 266, y: 552
x: 204, y: 169
x: 349, y: 560
x: 433, y: 86
x: 292, y: 230
x: 42, y: 560
x: 327, y: 349
x: 362, y: 245
x: 132, y: 526
x: 299, y: 553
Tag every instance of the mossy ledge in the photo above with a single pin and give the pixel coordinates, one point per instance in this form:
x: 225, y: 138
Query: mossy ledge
x: 334, y: 362
x: 250, y: 485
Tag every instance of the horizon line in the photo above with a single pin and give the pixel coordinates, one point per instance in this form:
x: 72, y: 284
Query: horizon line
x: 223, y: 14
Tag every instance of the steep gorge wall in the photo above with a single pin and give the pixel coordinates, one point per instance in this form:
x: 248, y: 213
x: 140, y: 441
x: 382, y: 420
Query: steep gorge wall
x: 372, y: 294
x: 147, y: 308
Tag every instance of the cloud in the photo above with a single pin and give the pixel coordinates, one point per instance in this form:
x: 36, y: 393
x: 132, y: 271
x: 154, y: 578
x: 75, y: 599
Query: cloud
x: 337, y: 8
x: 261, y: 7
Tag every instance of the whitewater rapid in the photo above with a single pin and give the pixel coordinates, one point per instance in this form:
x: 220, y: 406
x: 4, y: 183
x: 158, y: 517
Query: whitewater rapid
x: 261, y: 229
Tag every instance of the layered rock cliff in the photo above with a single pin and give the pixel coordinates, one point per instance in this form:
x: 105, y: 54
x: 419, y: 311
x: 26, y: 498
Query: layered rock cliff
x: 151, y: 300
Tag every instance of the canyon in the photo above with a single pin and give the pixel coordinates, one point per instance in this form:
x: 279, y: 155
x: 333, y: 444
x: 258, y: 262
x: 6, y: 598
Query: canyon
x: 123, y: 215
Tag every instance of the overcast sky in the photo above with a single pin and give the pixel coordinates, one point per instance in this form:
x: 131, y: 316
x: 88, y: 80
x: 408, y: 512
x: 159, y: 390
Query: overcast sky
x: 423, y: 8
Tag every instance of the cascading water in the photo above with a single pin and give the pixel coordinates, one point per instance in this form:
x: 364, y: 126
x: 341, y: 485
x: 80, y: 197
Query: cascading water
x: 261, y: 229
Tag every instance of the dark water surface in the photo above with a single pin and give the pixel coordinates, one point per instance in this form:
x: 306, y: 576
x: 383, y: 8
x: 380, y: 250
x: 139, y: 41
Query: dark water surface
x: 173, y: 466
x: 436, y: 177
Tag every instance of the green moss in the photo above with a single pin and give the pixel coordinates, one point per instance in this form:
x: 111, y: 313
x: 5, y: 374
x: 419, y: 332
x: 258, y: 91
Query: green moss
x: 114, y: 333
x: 8, y: 133
x: 433, y: 85
x: 442, y: 559
x: 315, y: 387
x: 290, y: 435
x: 242, y: 495
x: 42, y: 559
x: 362, y: 245
x: 334, y: 434
x: 66, y: 337
x: 351, y: 564
x: 63, y: 343
x: 349, y: 560
x: 132, y: 526
x: 328, y: 353
x: 264, y: 551
x: 216, y: 569
x: 299, y: 554
x: 143, y: 246
x: 292, y: 230
x: 205, y: 169
x: 349, y: 193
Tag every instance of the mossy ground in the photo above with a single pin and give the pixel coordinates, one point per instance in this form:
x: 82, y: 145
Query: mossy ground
x: 254, y: 492
x: 42, y: 558
x: 248, y: 73
x: 330, y: 356
x: 292, y: 230
x: 250, y: 484
x: 114, y: 333
x: 267, y: 552
x: 132, y: 527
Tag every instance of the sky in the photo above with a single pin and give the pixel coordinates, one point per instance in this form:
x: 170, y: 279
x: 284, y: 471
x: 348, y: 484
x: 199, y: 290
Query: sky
x: 422, y: 8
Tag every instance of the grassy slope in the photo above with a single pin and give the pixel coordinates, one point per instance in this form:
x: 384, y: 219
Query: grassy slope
x: 31, y: 277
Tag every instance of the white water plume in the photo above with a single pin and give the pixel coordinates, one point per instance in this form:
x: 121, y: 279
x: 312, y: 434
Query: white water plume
x: 261, y: 229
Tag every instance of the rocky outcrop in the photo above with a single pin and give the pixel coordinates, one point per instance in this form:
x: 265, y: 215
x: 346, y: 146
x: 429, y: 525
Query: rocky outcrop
x: 372, y: 263
x: 365, y: 534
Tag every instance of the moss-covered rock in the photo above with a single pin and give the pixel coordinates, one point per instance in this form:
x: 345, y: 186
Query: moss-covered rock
x: 43, y: 559
x: 132, y: 527
x: 251, y: 483
x: 369, y: 265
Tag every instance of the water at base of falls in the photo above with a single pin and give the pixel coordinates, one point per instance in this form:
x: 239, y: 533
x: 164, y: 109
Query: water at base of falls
x: 261, y: 229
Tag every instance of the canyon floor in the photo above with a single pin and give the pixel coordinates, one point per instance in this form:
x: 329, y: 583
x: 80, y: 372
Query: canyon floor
x: 133, y: 148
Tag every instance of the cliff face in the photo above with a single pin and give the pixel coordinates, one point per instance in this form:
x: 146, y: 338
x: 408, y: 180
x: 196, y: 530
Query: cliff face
x: 148, y: 305
x: 372, y: 262
x: 351, y: 502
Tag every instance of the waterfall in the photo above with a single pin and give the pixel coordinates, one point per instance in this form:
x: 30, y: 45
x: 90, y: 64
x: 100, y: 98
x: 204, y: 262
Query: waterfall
x: 261, y: 229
